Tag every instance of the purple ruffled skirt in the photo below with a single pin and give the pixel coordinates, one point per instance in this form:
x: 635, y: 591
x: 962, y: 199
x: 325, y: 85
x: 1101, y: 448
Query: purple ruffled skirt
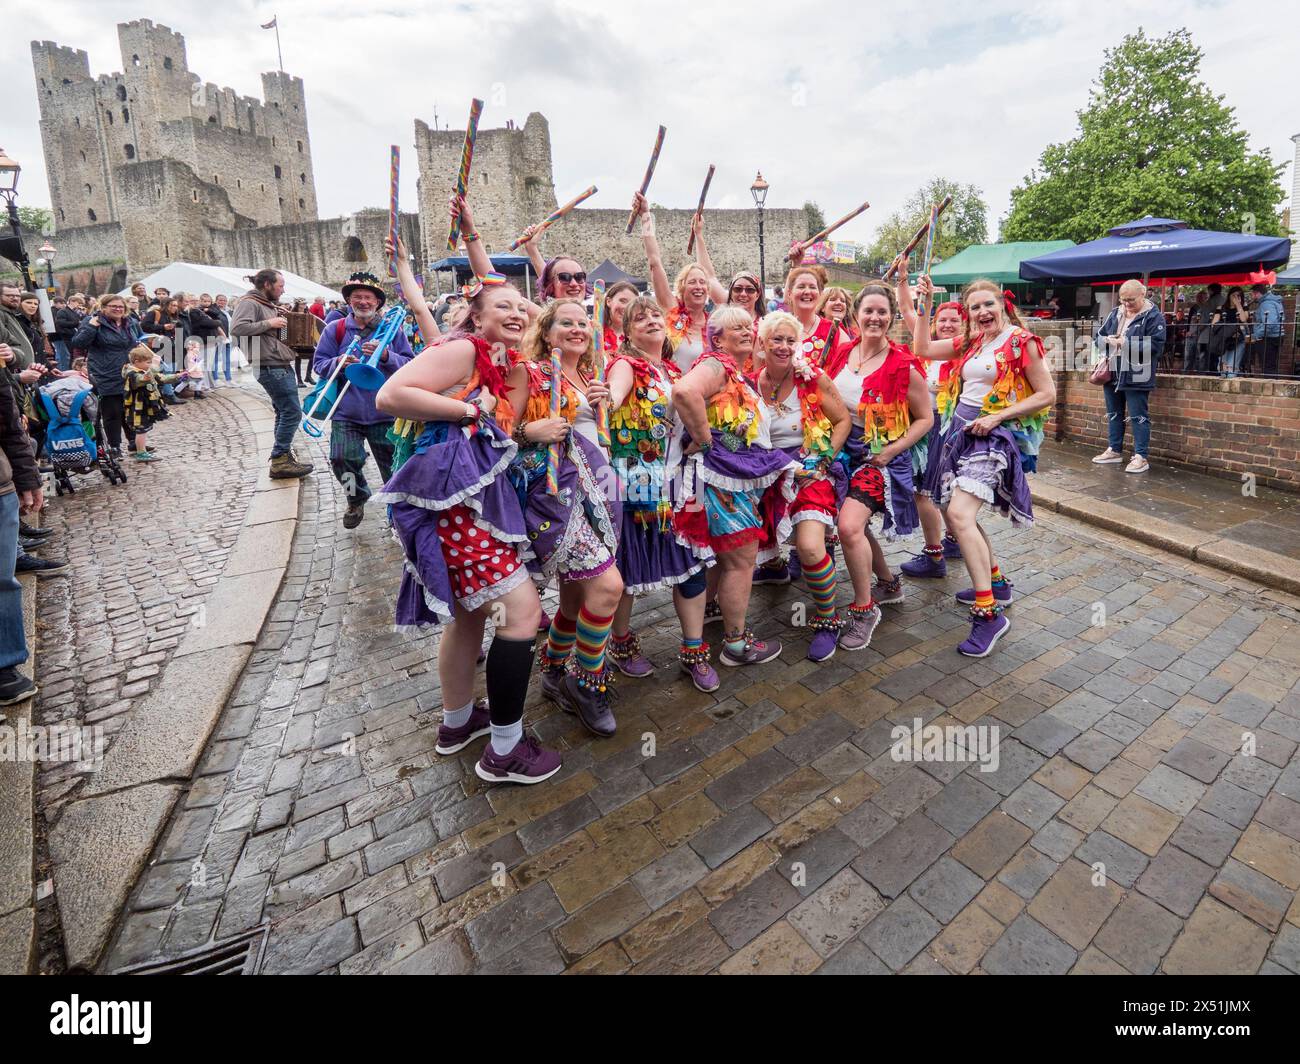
x: 450, y: 469
x: 900, y: 518
x: 988, y: 467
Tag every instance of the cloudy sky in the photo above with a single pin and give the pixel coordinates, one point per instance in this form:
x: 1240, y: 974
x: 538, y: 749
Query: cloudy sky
x: 837, y: 108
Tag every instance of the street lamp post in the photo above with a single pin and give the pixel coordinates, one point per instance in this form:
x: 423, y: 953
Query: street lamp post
x: 48, y: 251
x: 759, y: 191
x: 13, y: 249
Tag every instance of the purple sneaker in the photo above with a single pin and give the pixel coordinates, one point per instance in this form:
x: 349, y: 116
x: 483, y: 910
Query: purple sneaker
x: 528, y: 762
x: 712, y: 612
x: 925, y: 566
x: 756, y: 651
x: 627, y: 657
x: 453, y: 740
x: 951, y: 549
x: 1001, y: 595
x: 695, y: 663
x: 590, y: 699
x: 825, y: 640
x: 857, y: 631
x: 984, y: 635
x: 772, y: 574
x: 886, y: 593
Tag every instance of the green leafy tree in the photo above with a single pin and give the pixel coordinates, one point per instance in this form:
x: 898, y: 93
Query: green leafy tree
x: 37, y: 219
x: 816, y: 220
x: 1154, y: 139
x: 964, y: 223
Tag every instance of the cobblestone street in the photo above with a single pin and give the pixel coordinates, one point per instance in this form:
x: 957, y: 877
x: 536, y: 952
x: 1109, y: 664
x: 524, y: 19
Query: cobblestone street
x: 771, y: 830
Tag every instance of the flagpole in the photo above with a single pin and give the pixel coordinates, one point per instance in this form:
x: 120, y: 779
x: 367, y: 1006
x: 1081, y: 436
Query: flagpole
x: 278, y: 54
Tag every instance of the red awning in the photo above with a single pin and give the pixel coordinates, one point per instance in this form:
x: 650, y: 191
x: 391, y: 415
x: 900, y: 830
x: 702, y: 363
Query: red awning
x: 1243, y: 279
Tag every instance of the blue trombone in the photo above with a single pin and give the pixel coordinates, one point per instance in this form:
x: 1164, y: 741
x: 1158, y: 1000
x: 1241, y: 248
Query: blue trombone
x: 365, y: 374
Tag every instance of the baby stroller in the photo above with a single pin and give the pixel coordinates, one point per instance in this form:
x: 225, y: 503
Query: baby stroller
x: 75, y: 445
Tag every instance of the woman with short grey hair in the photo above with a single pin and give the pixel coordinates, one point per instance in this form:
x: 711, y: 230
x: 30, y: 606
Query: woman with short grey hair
x: 1131, y: 339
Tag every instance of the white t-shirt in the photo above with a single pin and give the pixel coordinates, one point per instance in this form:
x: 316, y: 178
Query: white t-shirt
x: 786, y: 421
x: 980, y: 373
x: 584, y: 424
x: 687, y: 352
x: 849, y: 385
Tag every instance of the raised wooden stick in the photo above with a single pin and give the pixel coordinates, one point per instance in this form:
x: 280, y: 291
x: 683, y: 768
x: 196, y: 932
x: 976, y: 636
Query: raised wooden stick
x: 804, y: 245
x: 649, y: 173
x: 690, y: 240
x: 555, y: 216
x: 920, y: 235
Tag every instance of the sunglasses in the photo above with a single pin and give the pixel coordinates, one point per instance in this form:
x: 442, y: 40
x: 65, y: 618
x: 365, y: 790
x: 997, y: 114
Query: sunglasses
x: 744, y: 290
x: 570, y: 278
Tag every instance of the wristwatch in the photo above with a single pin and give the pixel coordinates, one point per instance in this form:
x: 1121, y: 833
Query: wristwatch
x: 471, y: 416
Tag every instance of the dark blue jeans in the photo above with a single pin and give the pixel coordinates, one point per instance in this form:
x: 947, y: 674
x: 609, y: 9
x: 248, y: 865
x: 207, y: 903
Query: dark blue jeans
x: 13, y: 641
x: 281, y: 385
x: 220, y: 350
x: 1128, y: 407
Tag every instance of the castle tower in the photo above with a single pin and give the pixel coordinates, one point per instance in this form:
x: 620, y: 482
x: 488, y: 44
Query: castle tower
x: 158, y: 85
x: 286, y: 124
x: 511, y: 184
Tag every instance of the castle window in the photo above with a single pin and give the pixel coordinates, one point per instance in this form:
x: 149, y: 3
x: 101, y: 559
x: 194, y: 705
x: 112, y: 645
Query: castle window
x: 277, y: 172
x: 302, y: 204
x: 216, y: 179
x: 92, y: 215
x: 61, y: 215
x: 302, y: 179
x: 126, y: 115
x: 273, y: 142
x: 239, y: 183
x: 130, y: 151
x: 354, y: 250
x: 83, y: 156
x: 299, y: 147
x: 212, y: 120
x: 194, y: 195
x: 87, y: 190
x: 167, y: 63
x: 263, y: 186
x: 167, y: 252
x: 67, y: 81
x: 135, y: 60
x: 77, y: 119
x: 110, y: 116
x: 121, y: 92
x: 281, y: 202
x: 485, y: 178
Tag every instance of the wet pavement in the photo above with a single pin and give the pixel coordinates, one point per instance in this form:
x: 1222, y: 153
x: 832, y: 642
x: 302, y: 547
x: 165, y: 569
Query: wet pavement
x: 1143, y: 814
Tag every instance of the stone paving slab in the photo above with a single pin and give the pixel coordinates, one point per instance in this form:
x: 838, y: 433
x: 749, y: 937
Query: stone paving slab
x: 1123, y: 829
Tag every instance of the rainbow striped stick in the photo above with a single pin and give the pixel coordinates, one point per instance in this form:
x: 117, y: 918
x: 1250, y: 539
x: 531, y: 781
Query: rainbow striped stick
x: 394, y: 165
x: 598, y: 335
x: 929, y: 250
x: 462, y: 177
x: 553, y: 453
x: 649, y: 173
x: 804, y: 245
x: 708, y: 179
x: 556, y: 215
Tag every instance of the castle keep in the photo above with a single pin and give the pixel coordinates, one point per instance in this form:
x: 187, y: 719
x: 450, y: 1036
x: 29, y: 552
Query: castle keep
x: 152, y: 165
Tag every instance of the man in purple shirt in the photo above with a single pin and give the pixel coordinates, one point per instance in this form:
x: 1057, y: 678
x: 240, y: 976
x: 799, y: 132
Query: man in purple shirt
x: 357, y: 423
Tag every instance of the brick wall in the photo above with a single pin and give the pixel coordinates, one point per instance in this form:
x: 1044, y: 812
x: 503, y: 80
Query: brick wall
x: 1222, y: 427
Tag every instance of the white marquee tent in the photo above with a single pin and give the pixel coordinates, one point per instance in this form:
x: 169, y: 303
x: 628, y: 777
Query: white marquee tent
x: 197, y: 278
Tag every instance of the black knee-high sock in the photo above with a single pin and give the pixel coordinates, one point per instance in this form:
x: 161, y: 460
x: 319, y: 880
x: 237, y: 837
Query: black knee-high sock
x: 509, y: 669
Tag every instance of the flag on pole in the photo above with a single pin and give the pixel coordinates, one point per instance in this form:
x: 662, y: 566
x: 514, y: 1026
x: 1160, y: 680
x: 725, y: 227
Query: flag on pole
x: 269, y: 25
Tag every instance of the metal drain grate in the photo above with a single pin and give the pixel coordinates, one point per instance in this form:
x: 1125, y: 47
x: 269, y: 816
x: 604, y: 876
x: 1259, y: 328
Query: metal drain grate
x: 241, y: 955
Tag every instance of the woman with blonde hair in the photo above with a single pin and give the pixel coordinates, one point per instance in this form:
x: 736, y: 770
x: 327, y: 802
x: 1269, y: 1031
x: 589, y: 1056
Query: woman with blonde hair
x: 834, y: 306
x: 574, y: 532
x: 684, y: 301
x: 994, y: 406
x: 809, y: 423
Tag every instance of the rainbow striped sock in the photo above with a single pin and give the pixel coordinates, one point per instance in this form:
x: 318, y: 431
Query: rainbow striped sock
x: 692, y: 644
x: 593, y: 635
x: 997, y: 578
x: 560, y: 638
x: 821, y: 583
x: 984, y: 600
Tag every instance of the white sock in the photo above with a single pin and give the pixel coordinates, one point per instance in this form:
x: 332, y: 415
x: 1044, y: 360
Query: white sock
x: 505, y: 737
x: 458, y: 718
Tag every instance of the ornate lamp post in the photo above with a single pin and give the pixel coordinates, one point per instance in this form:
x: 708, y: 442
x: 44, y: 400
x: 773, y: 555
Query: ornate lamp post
x: 13, y: 249
x: 759, y: 191
x: 47, y: 252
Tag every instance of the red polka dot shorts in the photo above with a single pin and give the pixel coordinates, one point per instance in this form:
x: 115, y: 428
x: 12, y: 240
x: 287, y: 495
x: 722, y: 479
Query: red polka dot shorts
x: 475, y: 559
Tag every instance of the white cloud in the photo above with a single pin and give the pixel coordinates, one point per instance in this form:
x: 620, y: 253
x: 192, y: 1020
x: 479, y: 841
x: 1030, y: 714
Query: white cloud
x: 851, y: 104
